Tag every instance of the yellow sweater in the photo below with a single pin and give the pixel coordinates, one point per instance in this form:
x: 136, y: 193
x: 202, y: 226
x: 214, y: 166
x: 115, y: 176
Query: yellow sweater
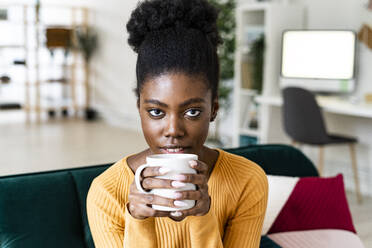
x: 238, y: 189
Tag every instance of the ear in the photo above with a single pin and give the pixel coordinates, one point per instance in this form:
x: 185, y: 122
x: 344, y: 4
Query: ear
x: 215, y: 107
x: 138, y: 103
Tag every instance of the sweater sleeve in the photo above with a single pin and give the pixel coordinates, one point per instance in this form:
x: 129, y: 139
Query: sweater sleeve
x: 139, y: 233
x: 244, y: 227
x: 111, y: 224
x: 204, y: 231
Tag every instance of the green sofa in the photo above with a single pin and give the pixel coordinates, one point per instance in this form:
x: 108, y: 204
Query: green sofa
x: 48, y: 209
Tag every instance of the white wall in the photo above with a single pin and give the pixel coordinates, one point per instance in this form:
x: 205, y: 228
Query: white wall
x: 343, y: 14
x: 115, y: 63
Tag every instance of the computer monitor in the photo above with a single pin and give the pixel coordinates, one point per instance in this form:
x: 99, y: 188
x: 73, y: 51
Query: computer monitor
x: 319, y: 60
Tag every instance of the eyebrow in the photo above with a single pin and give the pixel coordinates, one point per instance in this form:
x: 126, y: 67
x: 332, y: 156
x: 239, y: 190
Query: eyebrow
x: 184, y: 104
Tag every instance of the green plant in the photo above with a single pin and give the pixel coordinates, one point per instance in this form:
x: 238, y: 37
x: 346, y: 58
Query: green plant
x: 226, y: 26
x: 226, y: 52
x: 87, y: 42
x: 257, y: 55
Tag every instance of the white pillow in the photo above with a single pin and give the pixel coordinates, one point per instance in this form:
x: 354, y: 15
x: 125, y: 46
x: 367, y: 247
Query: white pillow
x: 280, y: 188
x: 329, y: 238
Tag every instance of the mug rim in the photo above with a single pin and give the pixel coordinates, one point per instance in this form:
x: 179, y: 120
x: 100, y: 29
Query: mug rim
x: 172, y: 156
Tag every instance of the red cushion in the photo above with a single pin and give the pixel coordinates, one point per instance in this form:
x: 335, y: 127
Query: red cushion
x: 315, y: 203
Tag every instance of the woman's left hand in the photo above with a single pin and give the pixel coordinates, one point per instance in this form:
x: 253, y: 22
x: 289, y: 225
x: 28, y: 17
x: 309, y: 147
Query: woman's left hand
x: 200, y: 195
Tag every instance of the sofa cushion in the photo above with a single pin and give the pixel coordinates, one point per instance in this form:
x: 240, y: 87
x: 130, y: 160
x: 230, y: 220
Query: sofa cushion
x: 40, y: 210
x: 266, y: 242
x: 83, y: 178
x: 280, y: 160
x: 329, y: 238
x: 315, y: 203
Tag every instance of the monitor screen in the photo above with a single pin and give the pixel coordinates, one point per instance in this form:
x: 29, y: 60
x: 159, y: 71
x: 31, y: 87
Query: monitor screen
x: 318, y: 54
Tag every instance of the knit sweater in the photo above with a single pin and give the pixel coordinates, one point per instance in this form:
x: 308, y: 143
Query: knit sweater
x: 238, y: 189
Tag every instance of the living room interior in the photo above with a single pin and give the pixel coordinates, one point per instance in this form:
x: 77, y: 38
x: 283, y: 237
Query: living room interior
x: 67, y: 102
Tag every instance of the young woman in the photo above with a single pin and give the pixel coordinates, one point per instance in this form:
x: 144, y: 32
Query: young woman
x: 177, y: 82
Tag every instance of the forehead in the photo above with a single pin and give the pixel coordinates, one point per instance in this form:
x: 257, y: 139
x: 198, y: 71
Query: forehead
x: 175, y: 88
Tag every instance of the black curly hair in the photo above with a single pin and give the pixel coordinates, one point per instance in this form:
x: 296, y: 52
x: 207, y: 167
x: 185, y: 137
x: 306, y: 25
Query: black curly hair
x: 173, y: 36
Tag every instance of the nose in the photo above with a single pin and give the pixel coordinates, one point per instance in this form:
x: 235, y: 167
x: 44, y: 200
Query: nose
x: 174, y: 127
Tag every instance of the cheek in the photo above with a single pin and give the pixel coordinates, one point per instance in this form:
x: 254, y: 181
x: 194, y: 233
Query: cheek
x: 199, y: 131
x: 150, y: 128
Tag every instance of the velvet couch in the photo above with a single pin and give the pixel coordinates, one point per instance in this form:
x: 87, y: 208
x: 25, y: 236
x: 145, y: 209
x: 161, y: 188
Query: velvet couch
x: 48, y: 209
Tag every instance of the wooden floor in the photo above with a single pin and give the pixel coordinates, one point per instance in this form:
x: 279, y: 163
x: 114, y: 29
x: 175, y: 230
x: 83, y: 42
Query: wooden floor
x: 70, y: 143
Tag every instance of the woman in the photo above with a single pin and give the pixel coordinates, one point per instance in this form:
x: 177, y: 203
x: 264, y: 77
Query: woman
x: 177, y: 82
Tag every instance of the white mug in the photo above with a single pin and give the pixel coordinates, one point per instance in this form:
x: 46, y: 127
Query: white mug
x: 177, y: 164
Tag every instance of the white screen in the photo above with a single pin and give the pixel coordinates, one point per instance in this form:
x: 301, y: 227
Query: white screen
x: 318, y: 54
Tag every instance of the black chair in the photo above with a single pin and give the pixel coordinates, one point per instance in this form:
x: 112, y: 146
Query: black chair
x: 304, y: 123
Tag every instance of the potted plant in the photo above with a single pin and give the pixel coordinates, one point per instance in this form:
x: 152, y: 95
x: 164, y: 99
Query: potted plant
x: 257, y: 55
x: 87, y: 43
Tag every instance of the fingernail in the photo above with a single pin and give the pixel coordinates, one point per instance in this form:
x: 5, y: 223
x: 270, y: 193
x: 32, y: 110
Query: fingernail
x: 177, y: 195
x: 193, y: 163
x: 164, y: 170
x: 177, y: 184
x: 180, y: 204
x: 176, y: 214
x: 180, y: 177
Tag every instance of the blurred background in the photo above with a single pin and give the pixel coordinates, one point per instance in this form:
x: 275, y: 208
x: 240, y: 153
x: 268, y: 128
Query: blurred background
x: 67, y: 77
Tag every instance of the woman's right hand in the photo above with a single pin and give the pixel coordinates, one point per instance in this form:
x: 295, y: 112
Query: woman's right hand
x: 140, y: 205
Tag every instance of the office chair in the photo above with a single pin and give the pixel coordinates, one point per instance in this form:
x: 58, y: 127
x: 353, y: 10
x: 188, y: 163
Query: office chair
x: 304, y: 123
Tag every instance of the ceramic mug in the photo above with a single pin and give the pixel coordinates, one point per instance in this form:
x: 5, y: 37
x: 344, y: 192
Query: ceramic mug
x: 177, y: 164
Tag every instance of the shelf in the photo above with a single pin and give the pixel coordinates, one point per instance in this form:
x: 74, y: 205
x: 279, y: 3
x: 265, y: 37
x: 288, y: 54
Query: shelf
x: 42, y: 83
x: 12, y: 65
x: 270, y: 19
x: 39, y: 94
x: 14, y: 23
x: 250, y: 132
x: 12, y: 46
x: 68, y: 82
x: 272, y: 100
x: 59, y: 108
x: 51, y: 103
x: 10, y: 106
x: 248, y: 92
x: 260, y: 6
x: 254, y: 6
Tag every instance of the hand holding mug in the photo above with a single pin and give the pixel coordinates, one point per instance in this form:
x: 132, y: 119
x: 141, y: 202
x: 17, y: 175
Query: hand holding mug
x: 166, y: 186
x: 200, y: 195
x: 155, y: 185
x: 140, y: 204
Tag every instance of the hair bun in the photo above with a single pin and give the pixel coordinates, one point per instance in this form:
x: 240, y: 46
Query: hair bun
x: 157, y: 15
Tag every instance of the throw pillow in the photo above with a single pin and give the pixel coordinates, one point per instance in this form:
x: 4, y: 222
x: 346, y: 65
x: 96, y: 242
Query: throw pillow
x: 280, y: 188
x: 329, y: 238
x: 315, y: 203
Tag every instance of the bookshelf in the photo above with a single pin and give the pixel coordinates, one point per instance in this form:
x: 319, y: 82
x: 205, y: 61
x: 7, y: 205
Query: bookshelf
x: 254, y: 19
x: 37, y: 81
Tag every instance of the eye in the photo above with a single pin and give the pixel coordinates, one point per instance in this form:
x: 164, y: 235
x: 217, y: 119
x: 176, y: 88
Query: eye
x: 193, y: 113
x: 155, y: 112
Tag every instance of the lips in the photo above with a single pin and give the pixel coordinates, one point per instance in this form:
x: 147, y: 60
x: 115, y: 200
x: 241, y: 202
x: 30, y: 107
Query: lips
x: 173, y: 149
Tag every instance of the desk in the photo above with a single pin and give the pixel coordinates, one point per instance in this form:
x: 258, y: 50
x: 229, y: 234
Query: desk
x: 329, y: 104
x: 341, y: 116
